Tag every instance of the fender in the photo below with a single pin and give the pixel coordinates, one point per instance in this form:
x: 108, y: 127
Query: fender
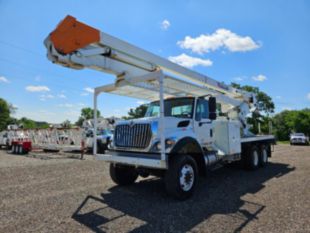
x: 191, y: 147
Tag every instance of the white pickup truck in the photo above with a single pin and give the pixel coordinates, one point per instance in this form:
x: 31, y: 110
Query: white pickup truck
x: 299, y: 138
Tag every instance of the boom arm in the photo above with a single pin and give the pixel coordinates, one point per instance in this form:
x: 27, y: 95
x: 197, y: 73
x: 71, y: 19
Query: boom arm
x: 76, y: 45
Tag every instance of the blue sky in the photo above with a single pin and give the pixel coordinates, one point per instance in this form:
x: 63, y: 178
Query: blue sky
x: 263, y: 43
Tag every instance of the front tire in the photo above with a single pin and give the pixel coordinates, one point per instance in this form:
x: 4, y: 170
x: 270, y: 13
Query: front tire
x: 181, y: 177
x: 123, y: 175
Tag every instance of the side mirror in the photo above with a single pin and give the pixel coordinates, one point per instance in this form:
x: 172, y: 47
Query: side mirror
x: 212, y: 108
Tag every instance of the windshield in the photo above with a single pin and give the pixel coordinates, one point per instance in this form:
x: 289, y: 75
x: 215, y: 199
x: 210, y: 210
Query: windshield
x: 104, y: 132
x: 298, y: 134
x: 180, y: 107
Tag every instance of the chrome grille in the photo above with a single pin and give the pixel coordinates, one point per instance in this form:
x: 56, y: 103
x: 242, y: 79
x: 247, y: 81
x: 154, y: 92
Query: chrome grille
x: 133, y: 136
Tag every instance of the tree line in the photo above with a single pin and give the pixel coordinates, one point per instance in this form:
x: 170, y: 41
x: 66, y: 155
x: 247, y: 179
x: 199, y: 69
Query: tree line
x: 282, y: 124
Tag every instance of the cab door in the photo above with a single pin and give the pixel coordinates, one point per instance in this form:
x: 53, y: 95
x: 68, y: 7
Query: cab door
x: 202, y: 123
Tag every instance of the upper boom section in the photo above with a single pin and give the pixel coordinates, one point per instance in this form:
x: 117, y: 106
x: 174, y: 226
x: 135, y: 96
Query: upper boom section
x: 71, y: 35
x: 77, y: 45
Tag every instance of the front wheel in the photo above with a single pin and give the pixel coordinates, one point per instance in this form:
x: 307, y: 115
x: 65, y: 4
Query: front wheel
x: 123, y: 175
x: 181, y: 177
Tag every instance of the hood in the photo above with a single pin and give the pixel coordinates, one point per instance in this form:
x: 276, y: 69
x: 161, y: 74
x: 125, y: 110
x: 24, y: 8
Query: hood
x: 298, y: 137
x: 170, y: 122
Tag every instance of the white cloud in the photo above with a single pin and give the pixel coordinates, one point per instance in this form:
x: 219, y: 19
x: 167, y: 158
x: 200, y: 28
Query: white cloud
x: 287, y: 108
x: 165, y: 24
x: 278, y: 97
x: 37, y: 88
x: 72, y: 113
x: 4, y: 79
x: 221, y: 38
x: 140, y: 102
x: 47, y: 96
x: 84, y: 94
x: 47, y: 112
x: 240, y: 78
x: 66, y: 105
x: 189, y: 62
x: 62, y: 96
x: 89, y: 89
x: 259, y: 78
x: 308, y: 96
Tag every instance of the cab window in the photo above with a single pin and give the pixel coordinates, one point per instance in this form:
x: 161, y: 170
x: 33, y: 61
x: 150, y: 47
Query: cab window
x: 202, y: 110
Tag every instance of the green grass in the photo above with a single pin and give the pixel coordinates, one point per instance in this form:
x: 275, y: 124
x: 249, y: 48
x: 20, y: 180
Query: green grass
x: 283, y: 142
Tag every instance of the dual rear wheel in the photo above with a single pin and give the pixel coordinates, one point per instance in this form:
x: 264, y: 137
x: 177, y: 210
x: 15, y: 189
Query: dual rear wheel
x: 256, y: 157
x: 18, y: 149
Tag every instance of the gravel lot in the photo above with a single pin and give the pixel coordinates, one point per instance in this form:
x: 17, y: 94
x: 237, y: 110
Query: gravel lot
x: 55, y: 193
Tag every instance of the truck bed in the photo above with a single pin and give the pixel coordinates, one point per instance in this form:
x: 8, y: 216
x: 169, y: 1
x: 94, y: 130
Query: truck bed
x: 258, y: 138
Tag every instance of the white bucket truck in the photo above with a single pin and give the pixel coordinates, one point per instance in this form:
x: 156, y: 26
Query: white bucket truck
x: 192, y: 123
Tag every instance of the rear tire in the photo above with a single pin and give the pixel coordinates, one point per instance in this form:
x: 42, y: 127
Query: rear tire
x: 123, y: 175
x: 252, y: 160
x: 263, y: 156
x: 8, y: 146
x: 101, y: 148
x: 181, y: 177
x: 20, y: 150
x: 14, y: 149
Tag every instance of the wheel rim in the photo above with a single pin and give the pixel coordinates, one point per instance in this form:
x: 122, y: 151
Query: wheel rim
x: 265, y: 156
x: 255, y: 158
x: 187, y: 177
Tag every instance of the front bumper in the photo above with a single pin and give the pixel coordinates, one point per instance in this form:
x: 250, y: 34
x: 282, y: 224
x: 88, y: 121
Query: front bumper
x: 149, y: 160
x: 299, y: 141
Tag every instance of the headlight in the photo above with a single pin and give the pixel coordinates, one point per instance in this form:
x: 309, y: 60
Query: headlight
x: 110, y: 143
x: 169, y: 143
